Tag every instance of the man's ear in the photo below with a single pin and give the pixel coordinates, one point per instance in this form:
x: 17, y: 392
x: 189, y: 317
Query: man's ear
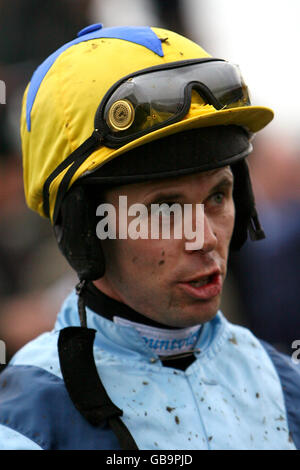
x: 245, y: 211
x: 76, y: 234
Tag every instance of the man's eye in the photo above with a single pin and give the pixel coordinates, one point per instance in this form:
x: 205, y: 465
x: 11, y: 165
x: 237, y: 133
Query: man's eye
x: 218, y: 197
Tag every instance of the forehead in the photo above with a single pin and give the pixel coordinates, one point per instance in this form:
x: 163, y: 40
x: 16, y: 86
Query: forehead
x: 202, y: 180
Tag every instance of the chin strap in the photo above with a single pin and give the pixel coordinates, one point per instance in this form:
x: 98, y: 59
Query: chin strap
x: 81, y: 306
x: 75, y: 349
x: 255, y: 230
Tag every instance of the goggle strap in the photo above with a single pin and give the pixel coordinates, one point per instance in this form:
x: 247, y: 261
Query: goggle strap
x: 77, y: 158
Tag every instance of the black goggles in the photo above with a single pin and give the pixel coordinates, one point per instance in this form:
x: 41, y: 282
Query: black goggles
x: 158, y: 96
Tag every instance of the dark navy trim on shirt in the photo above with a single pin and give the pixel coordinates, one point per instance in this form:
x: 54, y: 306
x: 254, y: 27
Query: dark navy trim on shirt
x: 35, y: 403
x: 289, y: 375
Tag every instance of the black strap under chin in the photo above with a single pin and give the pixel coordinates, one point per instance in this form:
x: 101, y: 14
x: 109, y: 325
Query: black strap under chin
x: 75, y: 349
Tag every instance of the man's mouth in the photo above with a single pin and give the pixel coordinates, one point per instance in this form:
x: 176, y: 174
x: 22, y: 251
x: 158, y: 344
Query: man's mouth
x: 201, y: 282
x: 203, y: 287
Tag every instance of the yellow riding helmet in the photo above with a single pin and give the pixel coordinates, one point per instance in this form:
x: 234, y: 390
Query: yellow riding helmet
x: 62, y: 99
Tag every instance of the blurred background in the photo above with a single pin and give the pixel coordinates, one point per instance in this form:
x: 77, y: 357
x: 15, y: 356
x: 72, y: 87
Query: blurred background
x: 263, y: 37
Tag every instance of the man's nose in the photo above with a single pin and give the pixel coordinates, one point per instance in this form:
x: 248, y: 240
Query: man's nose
x: 210, y: 240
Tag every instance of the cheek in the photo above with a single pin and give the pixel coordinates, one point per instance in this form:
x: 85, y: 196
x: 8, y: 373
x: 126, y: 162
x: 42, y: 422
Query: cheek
x: 148, y: 256
x: 224, y: 226
x: 153, y: 261
x: 133, y: 258
x: 229, y: 223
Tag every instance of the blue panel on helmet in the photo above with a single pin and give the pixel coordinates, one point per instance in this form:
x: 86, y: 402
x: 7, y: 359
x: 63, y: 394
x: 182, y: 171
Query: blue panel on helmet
x: 139, y: 35
x: 89, y: 29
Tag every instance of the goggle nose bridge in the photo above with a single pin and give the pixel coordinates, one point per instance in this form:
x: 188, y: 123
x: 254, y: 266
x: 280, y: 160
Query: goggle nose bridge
x: 203, y: 91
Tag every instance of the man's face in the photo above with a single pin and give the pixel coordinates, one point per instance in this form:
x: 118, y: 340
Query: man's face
x: 160, y: 278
